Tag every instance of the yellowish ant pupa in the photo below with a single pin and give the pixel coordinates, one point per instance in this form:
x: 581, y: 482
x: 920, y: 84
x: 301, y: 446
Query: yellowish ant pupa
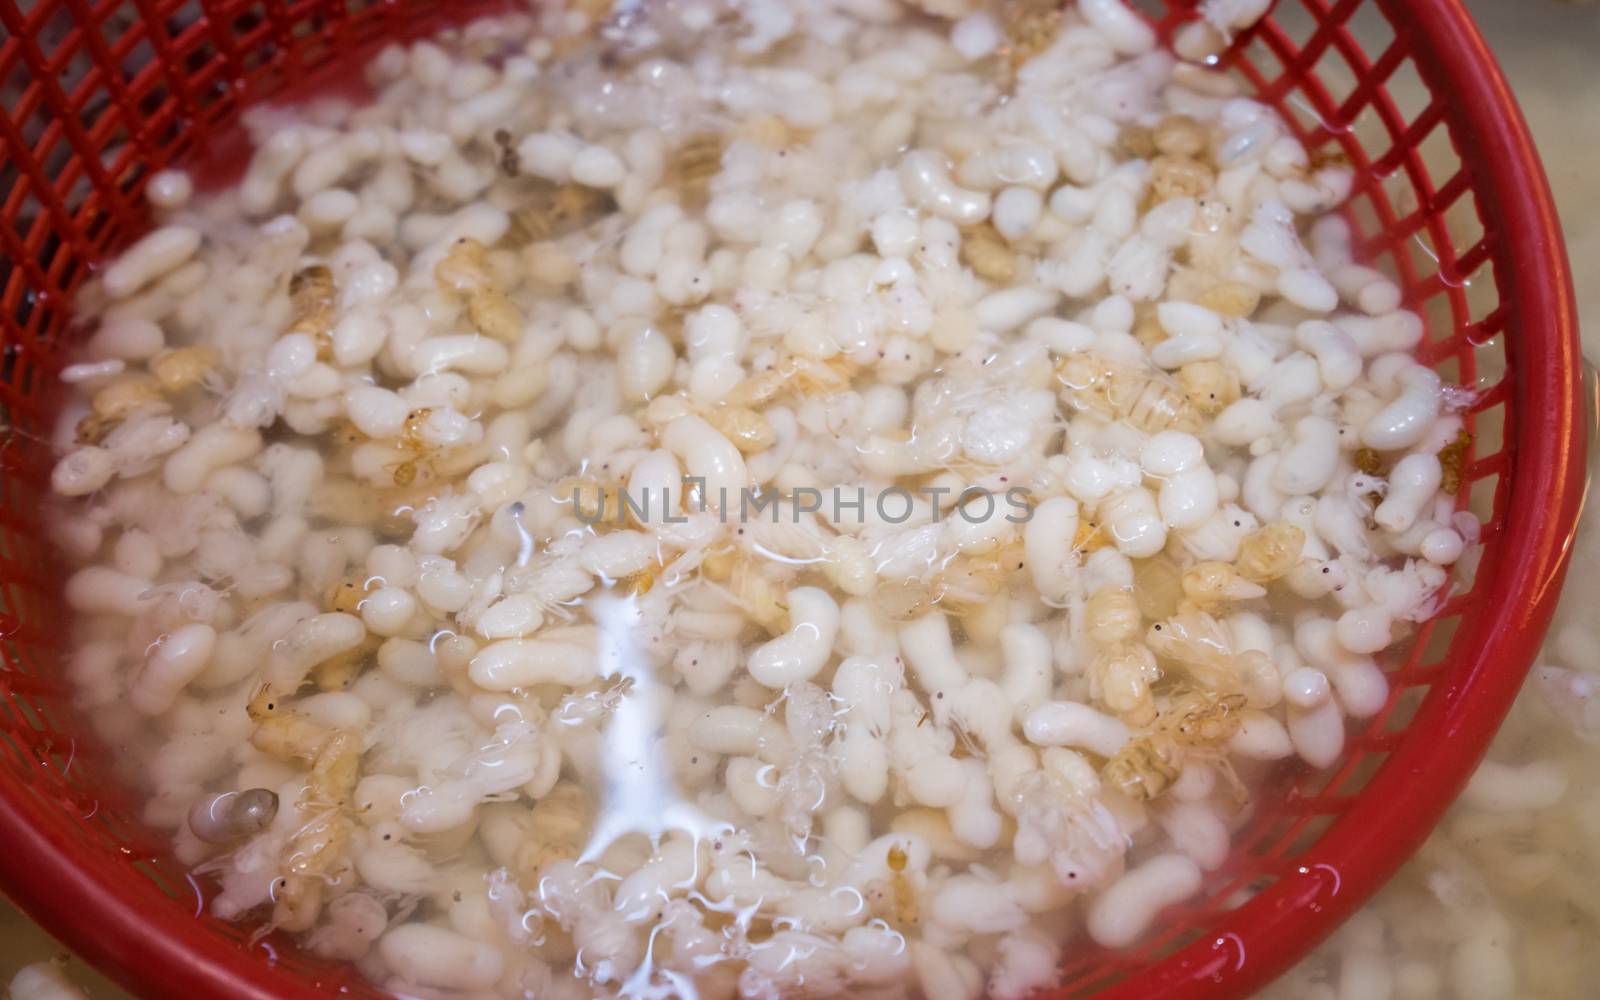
x: 1208, y: 585
x: 1209, y: 386
x: 795, y: 373
x: 1111, y: 616
x: 1122, y: 677
x: 287, y: 735
x: 179, y: 369
x: 748, y: 429
x: 1179, y: 177
x: 690, y: 167
x: 335, y: 771
x: 1157, y: 586
x: 1031, y: 26
x: 1180, y: 135
x: 1230, y: 298
x: 555, y: 210
x: 1199, y: 644
x: 340, y: 671
x: 988, y: 254
x: 313, y: 298
x: 1270, y: 552
x: 557, y: 829
x: 1149, y: 399
x: 1195, y: 724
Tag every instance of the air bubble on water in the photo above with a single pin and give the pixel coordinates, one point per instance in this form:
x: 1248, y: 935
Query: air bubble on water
x: 525, y: 540
x: 433, y: 640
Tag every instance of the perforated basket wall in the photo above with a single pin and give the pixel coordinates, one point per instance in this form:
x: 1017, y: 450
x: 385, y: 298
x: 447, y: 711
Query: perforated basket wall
x: 96, y: 96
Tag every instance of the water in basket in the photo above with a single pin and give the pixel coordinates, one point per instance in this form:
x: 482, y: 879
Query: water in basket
x: 97, y: 95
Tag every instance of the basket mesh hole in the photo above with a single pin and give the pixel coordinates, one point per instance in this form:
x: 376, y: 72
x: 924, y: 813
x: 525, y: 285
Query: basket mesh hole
x: 1262, y: 67
x: 55, y: 159
x: 139, y: 57
x: 1407, y: 701
x: 1438, y: 155
x: 252, y: 16
x: 74, y: 199
x: 120, y: 28
x: 199, y: 54
x: 1354, y: 776
x: 263, y: 50
x: 1357, y: 765
x: 1484, y: 501
x: 96, y: 113
x: 1464, y: 225
x: 1488, y: 431
x: 54, y: 28
x: 1366, y: 223
x: 1406, y: 94
x: 1481, y: 290
x: 1421, y: 253
x: 114, y: 140
x: 1438, y: 315
x: 36, y: 119
x: 24, y: 314
x: 1449, y: 369
x: 182, y: 13
x: 1304, y: 834
x: 116, y: 18
x: 1280, y: 838
x: 51, y: 257
x: 1331, y: 78
x: 156, y: 106
x: 1297, y: 21
x: 19, y: 193
x: 79, y: 64
x: 315, y: 18
x: 1489, y: 354
x: 1370, y: 26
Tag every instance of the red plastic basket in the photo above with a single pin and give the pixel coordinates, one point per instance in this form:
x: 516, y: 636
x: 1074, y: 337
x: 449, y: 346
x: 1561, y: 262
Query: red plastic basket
x: 96, y: 95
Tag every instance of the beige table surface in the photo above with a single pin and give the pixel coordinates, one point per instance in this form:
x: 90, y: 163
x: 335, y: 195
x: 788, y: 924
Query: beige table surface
x: 1549, y: 51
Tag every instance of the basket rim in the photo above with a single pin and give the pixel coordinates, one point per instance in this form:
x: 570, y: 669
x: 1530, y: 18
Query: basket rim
x: 86, y: 901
